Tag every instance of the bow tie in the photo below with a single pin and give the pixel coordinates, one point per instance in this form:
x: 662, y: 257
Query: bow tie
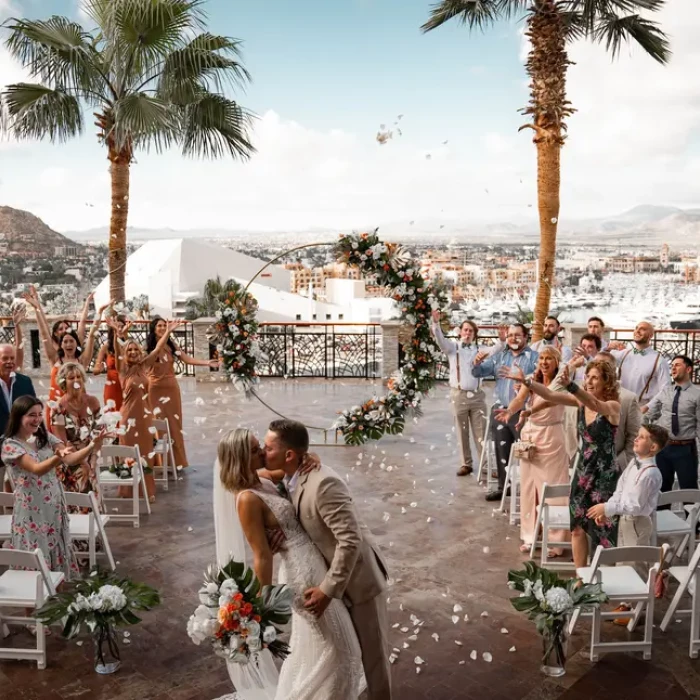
x: 636, y: 351
x: 466, y: 345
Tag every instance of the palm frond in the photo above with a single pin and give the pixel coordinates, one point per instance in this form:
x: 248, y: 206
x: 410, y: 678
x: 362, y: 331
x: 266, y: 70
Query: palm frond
x: 213, y: 126
x: 477, y: 14
x: 612, y: 31
x: 591, y: 11
x: 143, y: 120
x: 57, y: 51
x: 36, y: 111
x: 208, y: 61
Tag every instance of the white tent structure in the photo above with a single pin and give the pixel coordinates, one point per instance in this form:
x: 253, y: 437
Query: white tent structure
x: 169, y: 272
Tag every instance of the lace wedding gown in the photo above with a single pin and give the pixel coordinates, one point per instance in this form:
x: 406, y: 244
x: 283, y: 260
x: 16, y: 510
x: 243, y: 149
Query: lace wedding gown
x: 325, y: 662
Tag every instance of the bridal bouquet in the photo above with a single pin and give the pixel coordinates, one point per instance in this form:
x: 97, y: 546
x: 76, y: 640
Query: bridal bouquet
x: 237, y: 616
x: 549, y: 601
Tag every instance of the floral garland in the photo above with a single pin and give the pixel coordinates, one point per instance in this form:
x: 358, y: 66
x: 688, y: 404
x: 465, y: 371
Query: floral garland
x: 235, y: 336
x: 393, y: 267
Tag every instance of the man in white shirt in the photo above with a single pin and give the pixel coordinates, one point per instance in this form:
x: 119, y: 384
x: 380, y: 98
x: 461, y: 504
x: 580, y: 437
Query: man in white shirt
x: 641, y: 369
x: 596, y: 326
x: 466, y: 395
x: 550, y: 336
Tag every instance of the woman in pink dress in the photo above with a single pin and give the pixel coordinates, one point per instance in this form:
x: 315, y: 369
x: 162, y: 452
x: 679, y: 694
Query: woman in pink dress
x: 548, y: 460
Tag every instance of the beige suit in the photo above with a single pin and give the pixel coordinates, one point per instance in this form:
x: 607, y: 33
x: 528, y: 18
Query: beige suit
x: 630, y: 421
x: 356, y: 570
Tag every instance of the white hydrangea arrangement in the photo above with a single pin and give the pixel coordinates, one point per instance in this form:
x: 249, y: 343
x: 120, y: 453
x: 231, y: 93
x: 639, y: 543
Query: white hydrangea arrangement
x: 238, y: 617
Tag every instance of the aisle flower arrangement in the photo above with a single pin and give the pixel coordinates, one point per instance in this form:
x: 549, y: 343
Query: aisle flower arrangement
x: 100, y: 602
x: 238, y: 616
x: 549, y: 601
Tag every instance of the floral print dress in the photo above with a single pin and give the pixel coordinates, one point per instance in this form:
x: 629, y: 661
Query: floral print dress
x: 595, y: 478
x: 39, y: 515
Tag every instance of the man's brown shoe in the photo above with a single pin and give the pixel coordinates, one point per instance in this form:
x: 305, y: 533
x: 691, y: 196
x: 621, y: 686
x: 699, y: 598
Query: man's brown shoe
x: 465, y: 471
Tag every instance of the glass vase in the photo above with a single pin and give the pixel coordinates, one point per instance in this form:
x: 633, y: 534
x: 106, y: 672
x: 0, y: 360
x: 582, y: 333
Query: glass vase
x: 106, y: 650
x: 555, y: 641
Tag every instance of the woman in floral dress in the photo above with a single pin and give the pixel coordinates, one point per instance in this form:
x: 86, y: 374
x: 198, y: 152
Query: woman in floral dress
x: 74, y: 421
x: 31, y: 454
x: 596, y: 474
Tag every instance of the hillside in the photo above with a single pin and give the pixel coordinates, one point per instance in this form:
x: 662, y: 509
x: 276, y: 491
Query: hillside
x: 27, y: 235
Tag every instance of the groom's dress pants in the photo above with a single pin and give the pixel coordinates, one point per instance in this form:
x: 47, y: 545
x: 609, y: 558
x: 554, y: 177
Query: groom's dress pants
x: 371, y: 623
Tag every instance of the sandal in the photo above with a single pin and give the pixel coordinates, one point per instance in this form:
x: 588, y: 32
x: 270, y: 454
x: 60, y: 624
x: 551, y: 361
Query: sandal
x: 524, y: 548
x: 553, y: 553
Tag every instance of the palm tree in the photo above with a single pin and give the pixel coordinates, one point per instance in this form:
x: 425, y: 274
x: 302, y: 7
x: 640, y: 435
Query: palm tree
x: 550, y: 25
x: 152, y: 75
x: 214, y: 295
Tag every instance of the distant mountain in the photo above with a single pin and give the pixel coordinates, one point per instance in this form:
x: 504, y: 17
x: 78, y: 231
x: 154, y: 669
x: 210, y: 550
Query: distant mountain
x: 646, y: 225
x: 25, y: 234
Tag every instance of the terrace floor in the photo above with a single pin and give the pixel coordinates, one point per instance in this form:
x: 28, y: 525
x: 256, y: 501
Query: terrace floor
x: 461, y: 555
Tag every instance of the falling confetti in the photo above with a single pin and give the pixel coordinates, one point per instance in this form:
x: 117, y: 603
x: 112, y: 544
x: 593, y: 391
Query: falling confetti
x: 473, y: 655
x: 487, y: 657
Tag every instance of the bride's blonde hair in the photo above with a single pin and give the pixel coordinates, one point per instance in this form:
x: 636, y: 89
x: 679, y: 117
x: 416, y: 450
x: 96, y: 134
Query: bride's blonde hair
x: 234, y: 452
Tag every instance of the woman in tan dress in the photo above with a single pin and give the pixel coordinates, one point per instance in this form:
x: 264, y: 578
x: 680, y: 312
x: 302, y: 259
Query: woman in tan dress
x: 548, y: 461
x: 163, y: 388
x: 137, y: 412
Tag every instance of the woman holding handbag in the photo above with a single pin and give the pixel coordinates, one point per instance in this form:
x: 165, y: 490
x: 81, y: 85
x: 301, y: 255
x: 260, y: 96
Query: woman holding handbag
x: 541, y: 448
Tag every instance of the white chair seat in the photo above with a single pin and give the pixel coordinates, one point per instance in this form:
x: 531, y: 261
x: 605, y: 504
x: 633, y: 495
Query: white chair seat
x: 80, y: 525
x: 5, y: 527
x: 559, y: 518
x: 107, y: 477
x: 19, y: 587
x: 668, y: 522
x: 617, y: 580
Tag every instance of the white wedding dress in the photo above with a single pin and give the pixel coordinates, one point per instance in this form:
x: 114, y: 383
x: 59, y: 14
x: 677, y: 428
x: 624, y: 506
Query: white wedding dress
x: 325, y: 661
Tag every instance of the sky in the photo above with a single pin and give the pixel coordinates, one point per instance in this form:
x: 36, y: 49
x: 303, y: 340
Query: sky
x: 327, y: 75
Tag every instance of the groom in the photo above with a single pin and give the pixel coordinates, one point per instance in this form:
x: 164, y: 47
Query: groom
x: 356, y: 571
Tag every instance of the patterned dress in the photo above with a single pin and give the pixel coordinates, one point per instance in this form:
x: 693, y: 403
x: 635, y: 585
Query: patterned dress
x: 39, y: 515
x: 595, y: 478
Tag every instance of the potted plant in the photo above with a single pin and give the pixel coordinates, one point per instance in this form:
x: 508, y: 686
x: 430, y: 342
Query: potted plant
x: 101, y: 602
x: 549, y: 601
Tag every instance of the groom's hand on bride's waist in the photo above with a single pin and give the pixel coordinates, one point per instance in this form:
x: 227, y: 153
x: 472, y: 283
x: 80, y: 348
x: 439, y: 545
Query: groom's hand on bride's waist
x: 276, y: 540
x: 316, y: 601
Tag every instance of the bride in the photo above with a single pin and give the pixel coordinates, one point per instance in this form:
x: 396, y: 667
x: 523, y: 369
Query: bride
x: 325, y: 661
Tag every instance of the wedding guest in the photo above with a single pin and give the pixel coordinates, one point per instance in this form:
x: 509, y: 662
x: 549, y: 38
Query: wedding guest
x: 73, y: 422
x: 547, y: 460
x: 596, y: 326
x: 587, y: 349
x: 677, y: 409
x: 641, y: 369
x: 466, y: 395
x: 39, y: 516
x: 630, y: 419
x: 550, y: 338
x: 19, y: 315
x: 163, y: 388
x: 13, y: 384
x: 137, y: 411
x: 515, y: 354
x: 596, y: 474
x: 106, y: 362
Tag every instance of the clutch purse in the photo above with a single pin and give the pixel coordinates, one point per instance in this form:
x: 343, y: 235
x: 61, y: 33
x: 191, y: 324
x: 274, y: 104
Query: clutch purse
x: 523, y: 448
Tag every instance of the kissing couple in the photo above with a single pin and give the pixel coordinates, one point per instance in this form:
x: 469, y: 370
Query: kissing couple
x: 277, y: 499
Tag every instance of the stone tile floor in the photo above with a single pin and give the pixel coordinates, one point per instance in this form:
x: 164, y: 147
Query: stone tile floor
x: 448, y: 548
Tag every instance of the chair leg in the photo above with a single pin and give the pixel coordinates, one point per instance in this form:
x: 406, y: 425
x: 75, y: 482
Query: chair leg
x: 145, y: 491
x: 538, y: 525
x: 135, y: 506
x: 695, y: 620
x: 649, y: 625
x: 638, y: 609
x: 595, y: 634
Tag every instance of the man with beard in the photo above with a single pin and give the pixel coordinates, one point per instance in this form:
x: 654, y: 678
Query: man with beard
x: 596, y: 326
x: 515, y: 353
x: 550, y: 336
x: 677, y: 408
x: 641, y: 369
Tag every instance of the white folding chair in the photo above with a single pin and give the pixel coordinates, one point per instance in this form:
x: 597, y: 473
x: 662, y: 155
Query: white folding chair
x: 622, y: 584
x: 86, y: 527
x: 113, y: 455
x: 487, y: 460
x: 26, y: 589
x: 551, y: 517
x: 688, y: 578
x: 673, y: 524
x: 164, y: 448
x: 6, y: 502
x: 512, y: 482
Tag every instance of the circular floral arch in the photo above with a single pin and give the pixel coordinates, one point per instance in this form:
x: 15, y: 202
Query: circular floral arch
x: 236, y: 328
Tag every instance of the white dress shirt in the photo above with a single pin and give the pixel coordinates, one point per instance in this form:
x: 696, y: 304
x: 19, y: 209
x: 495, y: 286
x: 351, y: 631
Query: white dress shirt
x: 457, y: 353
x: 290, y: 482
x: 7, y: 390
x: 637, y: 491
x: 637, y: 367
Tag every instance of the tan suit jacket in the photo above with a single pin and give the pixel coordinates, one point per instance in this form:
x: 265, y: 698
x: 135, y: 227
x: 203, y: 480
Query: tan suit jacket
x: 630, y: 421
x: 326, y: 511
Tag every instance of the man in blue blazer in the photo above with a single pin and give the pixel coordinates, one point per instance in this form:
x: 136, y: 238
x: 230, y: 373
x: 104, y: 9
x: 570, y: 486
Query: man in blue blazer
x: 12, y: 384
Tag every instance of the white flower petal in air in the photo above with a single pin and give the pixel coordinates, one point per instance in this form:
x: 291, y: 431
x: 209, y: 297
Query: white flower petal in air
x: 487, y: 550
x: 484, y: 614
x: 487, y: 657
x: 512, y: 649
x: 455, y: 619
x: 414, y: 505
x: 404, y: 629
x: 435, y: 636
x: 504, y: 630
x: 457, y: 608
x: 458, y: 643
x: 473, y: 655
x: 418, y: 661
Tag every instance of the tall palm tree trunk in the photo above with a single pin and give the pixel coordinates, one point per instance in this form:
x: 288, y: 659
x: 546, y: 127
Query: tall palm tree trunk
x: 547, y: 65
x: 119, y: 171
